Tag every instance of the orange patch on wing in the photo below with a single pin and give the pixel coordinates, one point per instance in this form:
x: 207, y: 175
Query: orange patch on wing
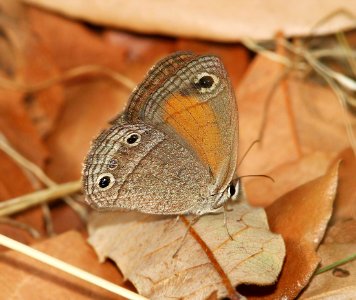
x: 196, y: 122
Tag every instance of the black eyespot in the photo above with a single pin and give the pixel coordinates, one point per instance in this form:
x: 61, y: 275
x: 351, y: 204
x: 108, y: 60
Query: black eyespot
x: 132, y: 138
x: 104, y: 182
x: 206, y: 81
x: 232, y: 190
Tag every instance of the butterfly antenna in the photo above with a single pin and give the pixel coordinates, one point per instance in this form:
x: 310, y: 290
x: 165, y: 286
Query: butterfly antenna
x: 257, y: 175
x: 247, y: 151
x: 242, y: 159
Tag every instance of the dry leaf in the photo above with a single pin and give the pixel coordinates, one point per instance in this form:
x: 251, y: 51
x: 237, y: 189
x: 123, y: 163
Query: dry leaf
x: 43, y: 106
x: 319, y: 118
x: 70, y: 43
x: 278, y: 145
x: 287, y: 177
x: 24, y: 278
x: 208, y: 19
x: 300, y: 120
x: 345, y: 203
x: 143, y: 246
x: 13, y: 180
x: 17, y: 127
x: 73, y: 44
x: 24, y: 60
x: 13, y: 38
x: 343, y: 231
x: 339, y: 283
x: 140, y: 52
x: 301, y: 216
x: 89, y: 106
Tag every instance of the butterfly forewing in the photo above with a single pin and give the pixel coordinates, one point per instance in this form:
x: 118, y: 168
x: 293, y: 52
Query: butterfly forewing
x: 192, y: 100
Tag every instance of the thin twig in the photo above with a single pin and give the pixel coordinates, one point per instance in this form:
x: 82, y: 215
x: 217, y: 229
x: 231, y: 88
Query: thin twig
x: 67, y: 75
x: 18, y: 204
x: 319, y: 68
x: 267, y: 102
x: 337, y: 52
x: 331, y: 15
x: 37, y: 171
x: 47, y: 218
x: 347, y: 51
x: 69, y: 269
x: 252, y: 45
x: 287, y: 98
x: 32, y: 231
x: 329, y: 75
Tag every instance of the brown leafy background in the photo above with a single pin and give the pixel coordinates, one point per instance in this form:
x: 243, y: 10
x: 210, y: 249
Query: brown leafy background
x: 304, y: 147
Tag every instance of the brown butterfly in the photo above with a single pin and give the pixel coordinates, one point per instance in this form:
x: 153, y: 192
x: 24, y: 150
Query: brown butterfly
x: 173, y: 150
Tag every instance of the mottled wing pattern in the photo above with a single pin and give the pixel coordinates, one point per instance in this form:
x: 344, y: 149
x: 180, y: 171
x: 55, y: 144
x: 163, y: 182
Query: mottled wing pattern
x: 175, y: 99
x: 155, y: 78
x: 156, y: 176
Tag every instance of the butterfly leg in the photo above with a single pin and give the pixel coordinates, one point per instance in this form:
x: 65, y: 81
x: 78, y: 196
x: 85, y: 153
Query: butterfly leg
x: 175, y: 222
x: 191, y: 223
x: 226, y: 209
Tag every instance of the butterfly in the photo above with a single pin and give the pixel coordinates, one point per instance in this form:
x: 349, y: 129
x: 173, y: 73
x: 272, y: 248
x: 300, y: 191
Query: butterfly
x: 173, y: 151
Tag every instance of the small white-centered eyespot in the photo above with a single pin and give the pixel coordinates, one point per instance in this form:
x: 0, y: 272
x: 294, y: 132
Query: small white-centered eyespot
x: 206, y: 82
x: 105, y: 181
x: 113, y: 163
x: 132, y: 139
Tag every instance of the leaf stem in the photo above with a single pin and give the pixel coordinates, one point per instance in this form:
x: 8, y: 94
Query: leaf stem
x: 232, y: 293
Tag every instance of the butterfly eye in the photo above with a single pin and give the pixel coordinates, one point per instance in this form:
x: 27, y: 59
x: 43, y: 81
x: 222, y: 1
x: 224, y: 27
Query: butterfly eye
x: 232, y: 190
x: 206, y: 82
x: 133, y: 139
x: 105, y: 181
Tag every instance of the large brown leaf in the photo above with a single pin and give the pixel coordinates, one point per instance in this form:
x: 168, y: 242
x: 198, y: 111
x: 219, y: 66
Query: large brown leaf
x: 301, y: 216
x: 223, y: 21
x: 278, y: 145
x: 143, y: 246
x: 301, y: 118
x: 345, y: 203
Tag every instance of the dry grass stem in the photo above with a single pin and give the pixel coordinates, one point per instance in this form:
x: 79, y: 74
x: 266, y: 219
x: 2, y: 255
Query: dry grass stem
x: 68, y: 75
x: 38, y: 172
x: 67, y: 268
x: 334, y: 79
x: 336, y: 264
x: 18, y: 204
x: 32, y: 231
